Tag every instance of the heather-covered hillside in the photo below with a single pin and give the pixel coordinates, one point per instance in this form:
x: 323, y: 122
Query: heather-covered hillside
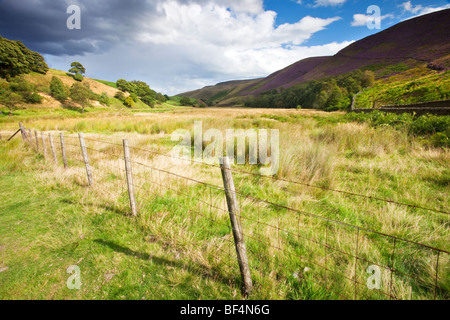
x: 424, y: 40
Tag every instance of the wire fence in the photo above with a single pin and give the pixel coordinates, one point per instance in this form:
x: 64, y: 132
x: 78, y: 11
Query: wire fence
x: 291, y: 251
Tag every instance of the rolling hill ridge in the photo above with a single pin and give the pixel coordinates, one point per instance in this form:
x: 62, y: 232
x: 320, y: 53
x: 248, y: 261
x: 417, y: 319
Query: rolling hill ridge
x: 418, y: 41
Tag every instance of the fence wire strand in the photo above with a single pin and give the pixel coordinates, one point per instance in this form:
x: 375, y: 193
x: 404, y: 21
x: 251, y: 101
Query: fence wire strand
x: 282, y: 242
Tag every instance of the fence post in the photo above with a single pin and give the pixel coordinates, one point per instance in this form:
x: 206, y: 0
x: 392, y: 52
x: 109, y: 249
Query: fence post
x: 128, y: 168
x: 30, y: 138
x: 44, y: 146
x: 86, y: 159
x: 37, y: 140
x: 22, y: 130
x: 63, y: 149
x: 52, y: 146
x: 233, y: 211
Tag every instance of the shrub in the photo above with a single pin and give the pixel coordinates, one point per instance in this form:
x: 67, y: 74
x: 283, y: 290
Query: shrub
x: 57, y: 89
x: 120, y: 95
x: 104, y: 99
x: 134, y: 97
x: 78, y: 77
x: 81, y: 94
x: 129, y: 102
x: 435, y: 127
x: 148, y: 100
x: 17, y: 59
x: 185, y: 101
x: 34, y: 98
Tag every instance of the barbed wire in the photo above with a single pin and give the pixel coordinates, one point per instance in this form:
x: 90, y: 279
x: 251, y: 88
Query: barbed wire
x: 329, y: 249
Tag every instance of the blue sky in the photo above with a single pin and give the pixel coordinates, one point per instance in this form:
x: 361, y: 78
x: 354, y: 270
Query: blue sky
x: 181, y: 45
x: 289, y: 11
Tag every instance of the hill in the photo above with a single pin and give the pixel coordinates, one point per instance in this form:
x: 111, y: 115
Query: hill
x: 410, y: 44
x: 42, y: 82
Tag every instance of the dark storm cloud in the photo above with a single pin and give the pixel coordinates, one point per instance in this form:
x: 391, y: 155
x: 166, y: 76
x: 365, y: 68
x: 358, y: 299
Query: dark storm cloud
x: 41, y: 24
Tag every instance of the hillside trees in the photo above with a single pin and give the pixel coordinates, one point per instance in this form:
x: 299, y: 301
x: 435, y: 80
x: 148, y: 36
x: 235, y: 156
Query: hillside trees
x: 8, y: 98
x: 78, y: 70
x: 81, y: 94
x: 16, y: 59
x: 129, y: 102
x: 140, y: 90
x: 327, y: 94
x: 57, y: 89
x: 185, y: 101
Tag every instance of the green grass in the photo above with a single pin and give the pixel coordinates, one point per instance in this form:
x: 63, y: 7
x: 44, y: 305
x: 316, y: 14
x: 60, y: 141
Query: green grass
x: 183, y: 254
x: 413, y: 86
x: 46, y: 229
x: 108, y: 83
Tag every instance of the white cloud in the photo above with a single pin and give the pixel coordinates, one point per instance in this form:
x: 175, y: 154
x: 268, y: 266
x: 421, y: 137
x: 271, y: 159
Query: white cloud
x: 407, y: 6
x: 360, y: 20
x: 214, y: 25
x: 326, y: 3
x: 173, y: 69
x: 419, y: 10
x: 182, y: 45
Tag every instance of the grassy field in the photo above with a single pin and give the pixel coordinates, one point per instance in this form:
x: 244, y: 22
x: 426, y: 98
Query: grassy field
x: 180, y: 245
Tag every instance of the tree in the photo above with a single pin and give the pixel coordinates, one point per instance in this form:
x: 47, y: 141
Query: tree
x: 148, y: 100
x: 185, y: 101
x: 8, y: 98
x: 123, y: 85
x: 104, y: 99
x: 134, y: 97
x: 368, y: 79
x: 25, y: 89
x: 57, y: 89
x: 120, y: 95
x: 129, y: 102
x: 16, y: 59
x: 78, y: 70
x: 81, y: 94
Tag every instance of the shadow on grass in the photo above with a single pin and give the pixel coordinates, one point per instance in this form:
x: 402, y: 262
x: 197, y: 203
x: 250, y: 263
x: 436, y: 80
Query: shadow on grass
x: 71, y: 107
x: 194, y: 268
x: 111, y: 208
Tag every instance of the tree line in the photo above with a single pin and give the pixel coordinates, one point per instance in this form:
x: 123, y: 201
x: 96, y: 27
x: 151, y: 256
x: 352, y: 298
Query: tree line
x: 328, y: 94
x: 138, y: 90
x: 16, y: 59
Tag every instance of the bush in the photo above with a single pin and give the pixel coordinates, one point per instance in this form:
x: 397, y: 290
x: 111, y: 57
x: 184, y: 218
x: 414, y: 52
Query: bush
x: 129, y: 102
x: 435, y: 127
x: 120, y: 96
x: 57, y: 89
x: 148, y: 100
x: 17, y: 59
x: 104, y: 99
x: 185, y: 101
x: 34, y: 98
x: 134, y: 97
x: 78, y: 77
x: 25, y: 89
x: 81, y: 94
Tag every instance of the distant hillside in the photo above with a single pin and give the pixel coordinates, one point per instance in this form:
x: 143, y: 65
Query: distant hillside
x: 407, y: 45
x: 219, y: 92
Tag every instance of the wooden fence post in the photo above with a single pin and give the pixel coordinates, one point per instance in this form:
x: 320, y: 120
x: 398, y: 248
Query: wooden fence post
x: 128, y: 167
x: 233, y: 211
x: 86, y: 159
x: 37, y: 140
x: 44, y: 146
x: 52, y: 146
x: 30, y: 138
x: 63, y: 149
x: 22, y: 130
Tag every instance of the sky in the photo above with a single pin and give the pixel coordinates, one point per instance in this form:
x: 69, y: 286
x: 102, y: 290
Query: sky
x: 181, y: 45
